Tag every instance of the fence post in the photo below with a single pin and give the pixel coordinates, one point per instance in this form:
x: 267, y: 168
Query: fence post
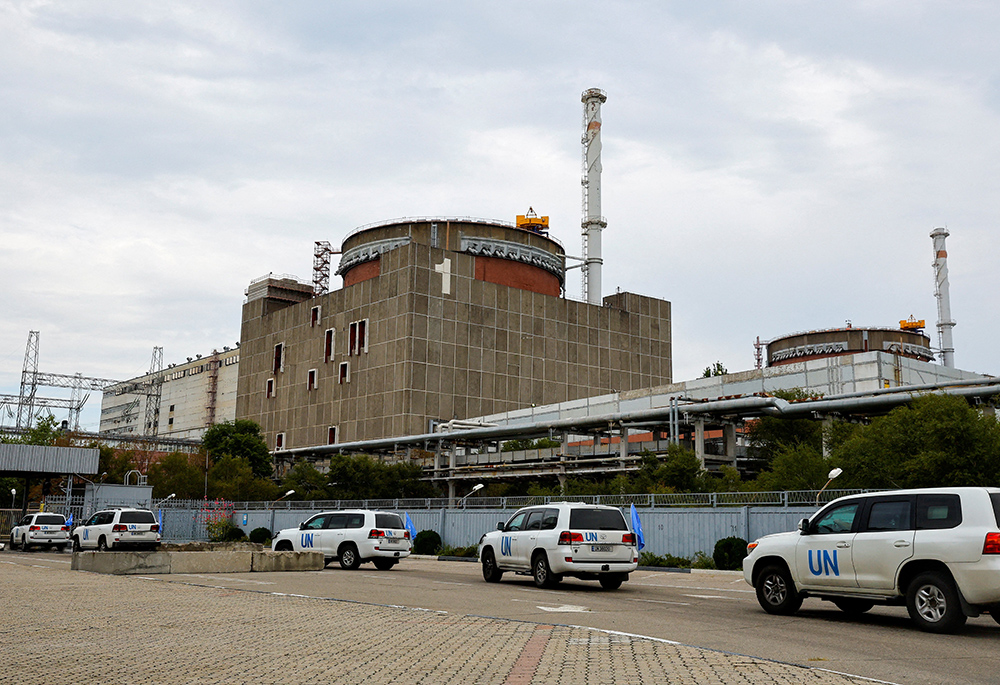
x: 713, y: 500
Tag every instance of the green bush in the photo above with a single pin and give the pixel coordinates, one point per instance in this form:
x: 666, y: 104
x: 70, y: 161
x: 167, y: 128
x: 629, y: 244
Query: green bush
x: 260, y: 535
x: 426, y: 542
x: 664, y: 561
x: 702, y: 561
x: 729, y: 553
x: 470, y: 551
x: 224, y: 530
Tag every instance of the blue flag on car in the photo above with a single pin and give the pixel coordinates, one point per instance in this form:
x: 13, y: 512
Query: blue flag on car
x: 69, y: 521
x: 161, y: 521
x: 637, y: 529
x: 408, y: 522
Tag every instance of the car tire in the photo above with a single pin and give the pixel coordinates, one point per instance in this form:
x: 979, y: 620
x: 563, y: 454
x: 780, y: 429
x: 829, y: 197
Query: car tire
x: 491, y: 572
x: 102, y: 544
x: 854, y: 607
x: 76, y: 544
x: 542, y: 572
x: 776, y: 591
x: 12, y: 544
x: 349, y: 559
x: 284, y: 546
x: 384, y: 564
x: 60, y: 548
x: 933, y: 603
x: 995, y: 612
x: 611, y: 582
x: 24, y: 544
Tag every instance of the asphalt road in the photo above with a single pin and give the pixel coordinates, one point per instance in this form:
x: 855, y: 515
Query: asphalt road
x: 717, y: 610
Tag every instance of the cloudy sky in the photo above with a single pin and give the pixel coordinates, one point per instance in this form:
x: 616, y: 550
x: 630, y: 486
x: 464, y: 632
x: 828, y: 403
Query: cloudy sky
x: 769, y: 166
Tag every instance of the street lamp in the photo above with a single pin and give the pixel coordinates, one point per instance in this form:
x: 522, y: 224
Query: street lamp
x: 13, y: 494
x: 170, y: 496
x: 475, y: 488
x: 833, y: 474
x: 271, y: 527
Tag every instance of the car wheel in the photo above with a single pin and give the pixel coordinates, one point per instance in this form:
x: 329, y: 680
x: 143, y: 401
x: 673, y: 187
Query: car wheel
x: 611, y: 582
x: 76, y: 544
x: 933, y: 603
x: 776, y: 592
x: 491, y: 573
x: 12, y: 542
x: 384, y: 564
x: 24, y: 544
x: 61, y: 548
x: 995, y: 612
x: 102, y: 544
x: 349, y: 557
x: 541, y: 572
x: 853, y: 606
x: 283, y: 546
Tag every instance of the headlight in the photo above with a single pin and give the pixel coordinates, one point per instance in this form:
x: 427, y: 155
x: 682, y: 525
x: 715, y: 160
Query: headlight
x: 752, y: 546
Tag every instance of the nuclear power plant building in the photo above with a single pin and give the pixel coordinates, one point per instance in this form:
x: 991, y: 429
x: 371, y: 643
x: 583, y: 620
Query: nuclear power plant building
x: 438, y: 319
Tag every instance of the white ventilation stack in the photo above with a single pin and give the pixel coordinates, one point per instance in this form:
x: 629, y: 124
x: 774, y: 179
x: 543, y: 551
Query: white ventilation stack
x: 944, y: 324
x: 593, y: 223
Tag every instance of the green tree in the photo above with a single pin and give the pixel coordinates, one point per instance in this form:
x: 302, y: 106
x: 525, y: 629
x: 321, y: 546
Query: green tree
x: 716, y: 369
x: 769, y: 436
x: 179, y: 473
x: 936, y: 440
x: 362, y: 477
x: 242, y: 439
x: 306, y: 480
x: 113, y: 464
x: 796, y: 467
x: 232, y: 478
x: 45, y: 432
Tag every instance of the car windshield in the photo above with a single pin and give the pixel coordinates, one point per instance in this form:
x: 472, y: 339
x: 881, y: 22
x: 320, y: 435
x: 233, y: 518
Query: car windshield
x: 50, y: 520
x: 388, y: 521
x: 137, y: 517
x: 596, y: 519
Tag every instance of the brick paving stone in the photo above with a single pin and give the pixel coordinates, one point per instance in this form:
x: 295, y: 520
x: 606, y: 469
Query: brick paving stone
x: 59, y: 626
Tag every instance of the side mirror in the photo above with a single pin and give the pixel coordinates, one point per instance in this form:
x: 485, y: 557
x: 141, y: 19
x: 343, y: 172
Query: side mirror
x: 804, y: 526
x: 500, y: 526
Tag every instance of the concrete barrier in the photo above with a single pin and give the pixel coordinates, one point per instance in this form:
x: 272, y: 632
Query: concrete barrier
x: 222, y: 561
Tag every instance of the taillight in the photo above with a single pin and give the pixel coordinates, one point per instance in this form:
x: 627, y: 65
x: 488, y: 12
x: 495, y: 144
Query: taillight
x: 376, y: 533
x: 568, y: 538
x: 628, y: 538
x: 155, y: 528
x: 406, y: 535
x: 118, y: 528
x: 31, y: 528
x: 66, y: 528
x: 992, y: 544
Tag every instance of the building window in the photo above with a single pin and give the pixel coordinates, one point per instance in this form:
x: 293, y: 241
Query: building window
x: 328, y: 345
x: 314, y: 316
x: 345, y: 372
x: 331, y: 435
x: 311, y: 380
x: 170, y: 423
x: 279, y: 358
x: 171, y: 407
x: 269, y: 391
x: 357, y: 337
x: 279, y: 441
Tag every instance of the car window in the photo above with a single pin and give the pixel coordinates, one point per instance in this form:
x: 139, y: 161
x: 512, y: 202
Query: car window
x: 50, y: 520
x: 995, y: 497
x: 316, y: 522
x: 893, y: 515
x: 355, y: 520
x: 535, y: 520
x: 549, y: 519
x: 388, y: 521
x: 137, y: 517
x: 92, y: 521
x: 935, y: 512
x: 596, y: 519
x: 837, y: 520
x: 26, y: 520
x: 516, y: 523
x: 336, y: 521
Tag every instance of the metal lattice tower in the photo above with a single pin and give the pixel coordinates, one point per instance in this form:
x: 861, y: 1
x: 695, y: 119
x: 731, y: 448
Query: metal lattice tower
x: 321, y: 267
x: 593, y: 222
x: 213, y: 388
x: 155, y: 392
x: 29, y: 383
x: 944, y: 324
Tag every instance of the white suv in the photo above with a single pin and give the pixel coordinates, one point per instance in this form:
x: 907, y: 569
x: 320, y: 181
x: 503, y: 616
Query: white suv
x: 561, y: 539
x: 118, y: 528
x: 354, y: 537
x: 935, y: 550
x: 42, y: 529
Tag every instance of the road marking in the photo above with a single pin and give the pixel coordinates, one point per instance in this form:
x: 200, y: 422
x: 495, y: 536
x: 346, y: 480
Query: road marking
x: 566, y: 609
x: 712, y: 597
x: 448, y: 582
x: 694, y: 587
x: 228, y: 580
x: 658, y: 601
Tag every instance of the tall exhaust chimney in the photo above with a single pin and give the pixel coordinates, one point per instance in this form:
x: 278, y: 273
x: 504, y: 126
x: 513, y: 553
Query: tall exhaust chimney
x: 944, y: 324
x: 593, y: 223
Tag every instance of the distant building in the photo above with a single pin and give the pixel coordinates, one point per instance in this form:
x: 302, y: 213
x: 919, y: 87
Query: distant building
x: 438, y: 319
x: 194, y: 396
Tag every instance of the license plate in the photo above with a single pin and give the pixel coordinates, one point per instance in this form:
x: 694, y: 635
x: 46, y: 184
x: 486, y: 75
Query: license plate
x: 393, y: 541
x: 138, y: 532
x: 600, y: 548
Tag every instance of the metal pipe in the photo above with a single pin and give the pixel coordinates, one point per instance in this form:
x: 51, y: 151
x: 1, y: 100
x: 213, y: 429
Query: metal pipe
x: 945, y: 323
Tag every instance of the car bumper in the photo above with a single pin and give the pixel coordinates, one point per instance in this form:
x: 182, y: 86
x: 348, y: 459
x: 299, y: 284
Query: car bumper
x: 48, y: 540
x: 373, y: 549
x: 978, y: 581
x: 138, y: 541
x: 561, y: 566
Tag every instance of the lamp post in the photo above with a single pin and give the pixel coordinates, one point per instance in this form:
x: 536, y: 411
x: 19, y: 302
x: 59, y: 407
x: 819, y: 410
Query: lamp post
x: 475, y: 488
x: 13, y: 495
x: 271, y: 527
x: 170, y: 496
x: 833, y: 474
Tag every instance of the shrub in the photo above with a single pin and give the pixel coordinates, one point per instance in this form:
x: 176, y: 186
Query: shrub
x: 729, y: 553
x: 260, y: 535
x: 426, y: 542
x: 224, y: 530
x: 702, y: 561
x: 666, y: 560
x: 470, y: 551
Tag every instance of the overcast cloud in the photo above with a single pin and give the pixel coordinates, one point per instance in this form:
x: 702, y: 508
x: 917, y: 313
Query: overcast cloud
x: 769, y: 166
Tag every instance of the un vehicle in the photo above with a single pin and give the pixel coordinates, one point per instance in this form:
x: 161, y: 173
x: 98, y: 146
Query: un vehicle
x: 936, y: 550
x: 353, y: 537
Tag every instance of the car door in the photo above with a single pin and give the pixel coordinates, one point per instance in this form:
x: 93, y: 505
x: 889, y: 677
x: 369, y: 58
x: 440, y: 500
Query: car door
x: 311, y: 534
x: 87, y: 536
x: 824, y: 552
x: 884, y: 541
x: 509, y: 539
x: 334, y: 533
x: 528, y: 540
